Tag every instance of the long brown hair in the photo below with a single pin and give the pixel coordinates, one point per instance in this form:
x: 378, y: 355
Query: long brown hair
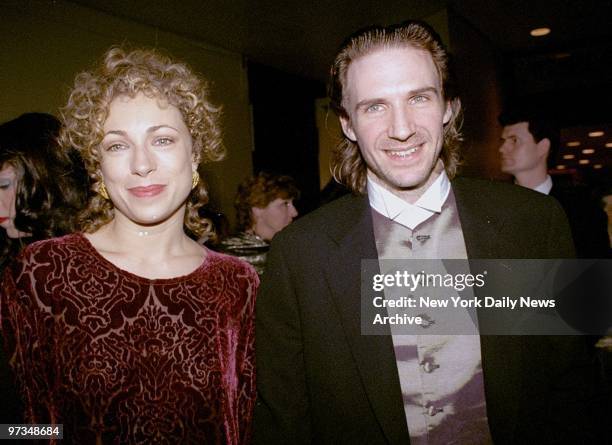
x: 50, y: 184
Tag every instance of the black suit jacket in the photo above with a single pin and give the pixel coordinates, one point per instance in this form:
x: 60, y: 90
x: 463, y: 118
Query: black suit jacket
x: 588, y: 222
x: 320, y: 381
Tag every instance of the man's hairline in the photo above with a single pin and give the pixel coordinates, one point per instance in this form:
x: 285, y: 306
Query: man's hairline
x: 533, y: 136
x: 383, y: 47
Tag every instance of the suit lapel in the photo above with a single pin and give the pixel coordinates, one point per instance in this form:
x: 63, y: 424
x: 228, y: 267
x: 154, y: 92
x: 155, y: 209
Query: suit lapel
x: 373, y: 354
x: 480, y: 224
x: 501, y: 355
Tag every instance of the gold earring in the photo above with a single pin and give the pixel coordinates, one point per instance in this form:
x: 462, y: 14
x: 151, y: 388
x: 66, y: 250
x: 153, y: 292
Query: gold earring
x: 195, y: 179
x: 102, y: 190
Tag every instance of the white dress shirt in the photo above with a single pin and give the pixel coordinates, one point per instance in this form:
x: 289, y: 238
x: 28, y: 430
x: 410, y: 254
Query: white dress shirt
x: 545, y: 187
x: 404, y: 213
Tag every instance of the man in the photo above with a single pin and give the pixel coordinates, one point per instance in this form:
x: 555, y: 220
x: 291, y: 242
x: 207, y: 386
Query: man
x: 527, y: 144
x: 320, y: 380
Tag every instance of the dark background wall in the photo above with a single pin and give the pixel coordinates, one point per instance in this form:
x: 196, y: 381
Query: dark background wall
x: 476, y: 63
x: 285, y: 132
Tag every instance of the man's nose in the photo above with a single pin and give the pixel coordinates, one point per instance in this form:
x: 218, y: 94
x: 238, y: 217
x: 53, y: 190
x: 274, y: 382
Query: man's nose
x: 401, y: 126
x: 293, y: 211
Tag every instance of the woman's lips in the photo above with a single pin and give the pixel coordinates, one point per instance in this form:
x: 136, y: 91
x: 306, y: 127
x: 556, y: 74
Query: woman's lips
x: 148, y: 191
x: 3, y: 218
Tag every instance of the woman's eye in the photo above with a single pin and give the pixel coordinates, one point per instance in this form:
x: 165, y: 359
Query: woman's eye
x: 115, y: 147
x: 163, y: 141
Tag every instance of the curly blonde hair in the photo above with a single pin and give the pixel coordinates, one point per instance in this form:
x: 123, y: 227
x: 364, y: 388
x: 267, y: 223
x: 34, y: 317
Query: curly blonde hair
x: 128, y: 73
x: 348, y: 166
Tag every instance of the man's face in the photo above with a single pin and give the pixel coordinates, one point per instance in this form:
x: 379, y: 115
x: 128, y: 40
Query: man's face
x: 519, y: 150
x: 396, y: 113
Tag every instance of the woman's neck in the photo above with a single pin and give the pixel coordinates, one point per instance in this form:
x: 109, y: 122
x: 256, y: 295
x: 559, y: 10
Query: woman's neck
x: 161, y: 240
x: 159, y: 251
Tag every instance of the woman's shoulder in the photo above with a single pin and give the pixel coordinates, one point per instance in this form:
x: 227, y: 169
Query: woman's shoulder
x: 43, y: 262
x: 41, y: 259
x: 231, y: 273
x: 231, y: 265
x: 64, y: 246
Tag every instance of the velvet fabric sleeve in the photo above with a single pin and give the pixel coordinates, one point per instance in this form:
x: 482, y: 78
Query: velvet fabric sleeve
x: 27, y: 331
x: 239, y: 357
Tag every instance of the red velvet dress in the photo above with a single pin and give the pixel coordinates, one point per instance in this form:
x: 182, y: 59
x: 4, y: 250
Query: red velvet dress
x: 118, y: 358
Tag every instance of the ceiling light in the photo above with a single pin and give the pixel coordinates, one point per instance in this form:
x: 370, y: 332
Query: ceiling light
x: 588, y: 151
x: 583, y: 161
x: 562, y: 55
x: 568, y: 156
x: 609, y: 145
x: 596, y: 134
x: 539, y: 32
x: 597, y: 166
x: 560, y: 167
x: 573, y: 144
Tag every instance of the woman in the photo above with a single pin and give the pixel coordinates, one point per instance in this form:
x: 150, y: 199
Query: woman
x: 39, y: 198
x: 264, y: 207
x: 131, y: 332
x: 40, y: 188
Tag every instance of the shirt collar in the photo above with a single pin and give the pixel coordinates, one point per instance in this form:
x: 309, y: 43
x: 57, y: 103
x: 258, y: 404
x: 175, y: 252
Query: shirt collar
x: 545, y: 187
x: 409, y: 215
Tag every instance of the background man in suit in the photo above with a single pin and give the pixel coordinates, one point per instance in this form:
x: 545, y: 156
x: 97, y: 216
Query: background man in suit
x: 529, y: 141
x: 320, y: 380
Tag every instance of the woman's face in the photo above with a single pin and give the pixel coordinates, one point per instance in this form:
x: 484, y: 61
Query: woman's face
x: 8, y: 190
x: 274, y: 217
x: 146, y: 160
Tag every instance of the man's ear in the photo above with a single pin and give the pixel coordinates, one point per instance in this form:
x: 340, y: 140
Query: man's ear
x: 347, y: 128
x: 543, y: 147
x: 450, y: 107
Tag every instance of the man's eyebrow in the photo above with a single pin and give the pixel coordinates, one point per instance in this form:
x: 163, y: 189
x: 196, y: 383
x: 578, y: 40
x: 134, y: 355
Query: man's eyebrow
x: 367, y: 102
x: 430, y: 89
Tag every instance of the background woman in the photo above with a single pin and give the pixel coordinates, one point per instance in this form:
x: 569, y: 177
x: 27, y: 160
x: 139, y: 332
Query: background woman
x: 40, y: 196
x: 132, y: 332
x: 41, y: 189
x: 264, y: 207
